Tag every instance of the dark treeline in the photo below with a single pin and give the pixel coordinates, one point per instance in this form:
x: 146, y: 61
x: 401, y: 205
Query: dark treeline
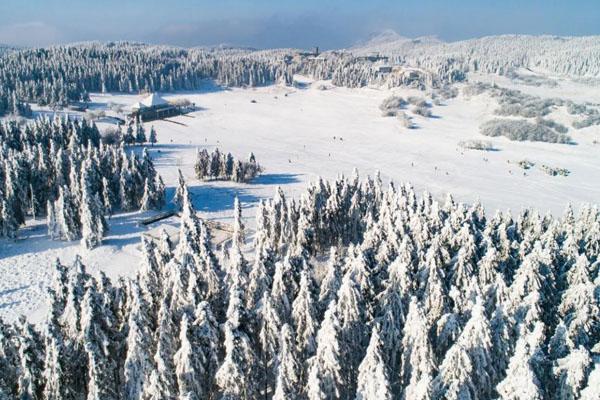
x: 415, y: 300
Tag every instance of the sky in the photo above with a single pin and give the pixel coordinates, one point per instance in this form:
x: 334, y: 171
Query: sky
x: 286, y: 23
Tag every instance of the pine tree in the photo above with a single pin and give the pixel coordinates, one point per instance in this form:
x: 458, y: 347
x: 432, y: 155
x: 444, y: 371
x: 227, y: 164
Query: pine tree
x: 522, y: 380
x: 140, y: 133
x: 324, y: 377
x: 101, y: 383
x: 181, y: 191
x: 138, y: 361
x: 162, y: 378
x: 55, y: 385
x: 53, y: 229
x: 147, y: 199
x: 268, y: 336
x: 31, y: 361
x: 205, y: 342
x: 238, y: 223
x: 455, y: 378
x: 236, y: 375
x: 67, y: 216
x: 373, y: 382
x: 153, y: 137
x: 418, y: 363
x: 186, y: 369
x: 108, y: 197
x: 571, y: 373
x: 259, y: 277
x: 579, y: 306
x: 287, y: 383
x: 93, y: 224
x: 352, y: 311
x: 304, y: 317
x: 476, y: 339
x: 590, y: 392
x: 332, y: 280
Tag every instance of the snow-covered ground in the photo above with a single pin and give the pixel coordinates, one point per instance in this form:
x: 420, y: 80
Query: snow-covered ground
x: 300, y: 134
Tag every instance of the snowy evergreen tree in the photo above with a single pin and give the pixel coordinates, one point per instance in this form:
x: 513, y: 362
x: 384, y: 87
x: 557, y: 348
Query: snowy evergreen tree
x: 186, y: 369
x: 418, y: 363
x: 288, y: 381
x: 522, y: 380
x: 304, y: 317
x: 325, y: 380
x: 373, y: 382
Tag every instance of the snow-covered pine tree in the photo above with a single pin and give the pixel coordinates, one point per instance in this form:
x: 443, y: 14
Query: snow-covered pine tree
x: 268, y: 338
x: 31, y: 361
x: 138, y: 360
x: 186, y: 368
x: 67, y: 215
x: 205, y: 343
x: 93, y: 224
x: 332, y: 280
x: 153, y: 138
x: 373, y: 382
x: 304, y: 320
x: 353, y: 314
x: 181, y: 190
x: 325, y: 379
x: 161, y: 383
x: 523, y: 380
x: 102, y: 372
x: 287, y: 382
x: 238, y: 235
x: 571, y: 373
x: 236, y: 377
x: 417, y: 360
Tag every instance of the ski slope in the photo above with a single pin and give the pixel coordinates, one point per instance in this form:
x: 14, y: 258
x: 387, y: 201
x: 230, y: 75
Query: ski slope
x: 298, y: 135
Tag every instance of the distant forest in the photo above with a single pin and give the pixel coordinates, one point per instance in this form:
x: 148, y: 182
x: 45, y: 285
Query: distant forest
x: 59, y: 75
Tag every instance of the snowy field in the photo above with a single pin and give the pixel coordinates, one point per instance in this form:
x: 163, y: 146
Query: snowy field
x: 300, y: 134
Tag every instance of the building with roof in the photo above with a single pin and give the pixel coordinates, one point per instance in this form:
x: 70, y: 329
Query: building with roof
x: 154, y: 107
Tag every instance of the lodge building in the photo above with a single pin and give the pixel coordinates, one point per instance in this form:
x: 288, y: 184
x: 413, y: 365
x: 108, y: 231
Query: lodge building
x: 154, y: 107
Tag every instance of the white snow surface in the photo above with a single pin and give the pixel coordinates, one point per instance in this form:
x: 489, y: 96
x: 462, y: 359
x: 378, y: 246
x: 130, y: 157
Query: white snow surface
x: 300, y: 134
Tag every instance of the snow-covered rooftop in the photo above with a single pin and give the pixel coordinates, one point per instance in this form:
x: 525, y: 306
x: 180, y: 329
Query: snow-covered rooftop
x: 153, y: 100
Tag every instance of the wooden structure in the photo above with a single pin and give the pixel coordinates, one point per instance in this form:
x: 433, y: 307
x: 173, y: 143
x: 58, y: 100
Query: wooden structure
x: 157, y: 218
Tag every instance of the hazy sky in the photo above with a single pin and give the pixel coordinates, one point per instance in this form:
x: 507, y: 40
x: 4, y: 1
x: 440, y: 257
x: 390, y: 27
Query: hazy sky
x: 285, y: 23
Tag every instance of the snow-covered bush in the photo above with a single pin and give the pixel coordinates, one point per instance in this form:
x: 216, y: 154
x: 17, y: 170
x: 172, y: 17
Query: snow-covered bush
x: 554, y: 171
x: 417, y: 101
x: 446, y: 92
x: 519, y: 104
x: 523, y: 130
x: 477, y: 145
x: 423, y: 111
x: 418, y: 298
x: 405, y: 120
x: 391, y: 105
x: 525, y: 164
x: 560, y: 128
x: 476, y: 88
x: 590, y: 120
x: 531, y: 80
